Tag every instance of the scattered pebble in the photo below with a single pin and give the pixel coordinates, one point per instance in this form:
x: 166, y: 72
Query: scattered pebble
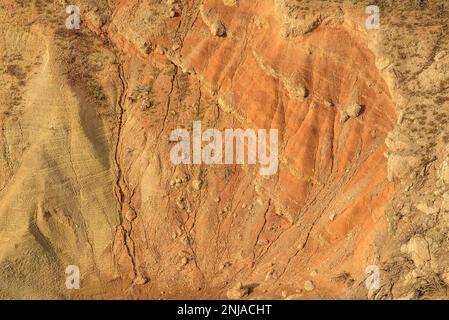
x: 354, y: 110
x: 309, y: 286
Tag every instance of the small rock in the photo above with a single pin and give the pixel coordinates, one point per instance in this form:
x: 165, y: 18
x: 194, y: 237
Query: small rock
x: 354, y: 110
x: 147, y: 104
x: 130, y: 215
x: 184, y: 261
x: 297, y: 90
x: 141, y: 280
x: 309, y: 286
x: 418, y: 250
x: 196, y: 184
x: 428, y: 209
x: 218, y: 29
x: 269, y: 275
x: 328, y: 104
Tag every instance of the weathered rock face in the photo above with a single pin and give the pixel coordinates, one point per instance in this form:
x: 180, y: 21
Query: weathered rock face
x: 86, y: 177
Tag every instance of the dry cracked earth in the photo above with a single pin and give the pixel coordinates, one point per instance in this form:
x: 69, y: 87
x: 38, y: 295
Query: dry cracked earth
x: 86, y: 177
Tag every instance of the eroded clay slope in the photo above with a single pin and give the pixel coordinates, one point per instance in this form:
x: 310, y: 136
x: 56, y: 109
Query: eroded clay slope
x: 89, y: 180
